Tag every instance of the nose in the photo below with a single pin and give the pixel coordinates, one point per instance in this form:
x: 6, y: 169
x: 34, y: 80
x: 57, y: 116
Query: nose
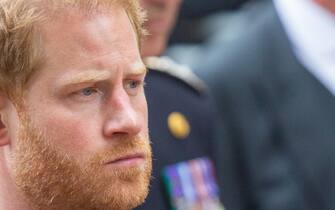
x: 121, y: 117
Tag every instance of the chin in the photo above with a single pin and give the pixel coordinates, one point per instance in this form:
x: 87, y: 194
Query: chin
x: 129, y: 190
x: 129, y: 198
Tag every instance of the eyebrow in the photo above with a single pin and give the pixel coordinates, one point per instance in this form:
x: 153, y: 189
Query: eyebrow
x: 85, y: 77
x: 93, y: 76
x: 138, y: 68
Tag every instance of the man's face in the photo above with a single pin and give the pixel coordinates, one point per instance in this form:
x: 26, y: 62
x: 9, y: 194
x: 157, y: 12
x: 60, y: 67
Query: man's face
x: 161, y: 18
x: 328, y: 4
x: 82, y: 140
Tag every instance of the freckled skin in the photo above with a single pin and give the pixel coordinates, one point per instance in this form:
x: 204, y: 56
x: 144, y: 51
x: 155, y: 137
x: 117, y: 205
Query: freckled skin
x: 64, y: 137
x: 62, y: 51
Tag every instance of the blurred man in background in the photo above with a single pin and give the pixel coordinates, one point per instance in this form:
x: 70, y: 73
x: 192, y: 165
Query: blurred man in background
x: 199, y: 33
x: 275, y: 87
x: 162, y: 15
x: 182, y: 122
x: 194, y: 14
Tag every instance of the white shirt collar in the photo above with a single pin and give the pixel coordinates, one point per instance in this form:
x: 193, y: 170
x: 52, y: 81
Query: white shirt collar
x: 311, y: 30
x: 309, y: 26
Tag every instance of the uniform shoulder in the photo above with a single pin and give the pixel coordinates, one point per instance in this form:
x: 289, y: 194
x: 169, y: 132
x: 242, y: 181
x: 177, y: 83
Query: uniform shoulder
x: 167, y: 66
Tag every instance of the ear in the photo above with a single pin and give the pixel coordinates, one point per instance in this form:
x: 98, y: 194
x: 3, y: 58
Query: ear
x: 4, y: 137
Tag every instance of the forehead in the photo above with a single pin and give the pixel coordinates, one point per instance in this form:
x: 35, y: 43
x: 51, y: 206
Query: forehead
x: 72, y: 34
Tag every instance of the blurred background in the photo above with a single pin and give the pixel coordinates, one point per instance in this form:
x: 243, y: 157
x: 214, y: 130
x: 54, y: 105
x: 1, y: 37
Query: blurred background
x: 270, y: 66
x: 204, y: 25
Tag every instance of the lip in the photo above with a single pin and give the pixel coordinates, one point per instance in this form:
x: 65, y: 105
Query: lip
x: 129, y: 160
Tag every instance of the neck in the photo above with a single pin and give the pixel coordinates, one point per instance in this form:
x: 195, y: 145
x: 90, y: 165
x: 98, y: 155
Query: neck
x: 10, y: 197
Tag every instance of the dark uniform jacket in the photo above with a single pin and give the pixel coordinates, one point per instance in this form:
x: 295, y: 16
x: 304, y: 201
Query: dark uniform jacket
x: 281, y: 120
x: 172, y: 88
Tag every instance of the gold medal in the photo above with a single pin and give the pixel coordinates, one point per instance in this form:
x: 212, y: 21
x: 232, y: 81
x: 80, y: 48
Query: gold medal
x: 178, y: 125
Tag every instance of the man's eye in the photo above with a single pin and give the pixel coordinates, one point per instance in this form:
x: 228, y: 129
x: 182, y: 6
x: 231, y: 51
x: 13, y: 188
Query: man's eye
x: 86, y: 94
x: 134, y: 86
x: 88, y: 91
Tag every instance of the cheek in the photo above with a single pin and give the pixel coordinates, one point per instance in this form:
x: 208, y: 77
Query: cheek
x: 141, y: 109
x: 70, y: 135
